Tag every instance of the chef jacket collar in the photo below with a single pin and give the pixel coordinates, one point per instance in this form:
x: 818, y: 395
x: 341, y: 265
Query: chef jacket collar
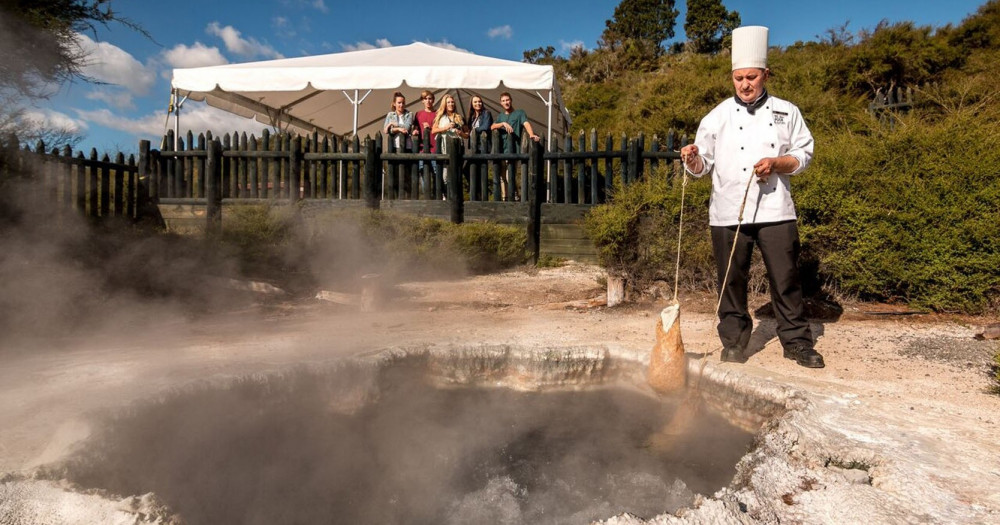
x: 752, y: 107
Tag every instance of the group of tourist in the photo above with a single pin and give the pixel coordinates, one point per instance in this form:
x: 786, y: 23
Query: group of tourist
x: 446, y: 121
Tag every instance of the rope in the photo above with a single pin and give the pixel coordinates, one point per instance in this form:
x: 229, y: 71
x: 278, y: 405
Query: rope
x: 725, y: 279
x: 729, y: 265
x: 680, y: 229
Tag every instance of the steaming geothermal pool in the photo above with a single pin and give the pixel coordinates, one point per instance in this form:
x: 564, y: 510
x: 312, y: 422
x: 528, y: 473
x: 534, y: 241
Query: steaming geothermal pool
x: 481, y: 437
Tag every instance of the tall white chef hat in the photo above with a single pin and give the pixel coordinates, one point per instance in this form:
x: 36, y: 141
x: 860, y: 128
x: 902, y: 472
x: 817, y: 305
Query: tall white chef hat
x: 749, y: 47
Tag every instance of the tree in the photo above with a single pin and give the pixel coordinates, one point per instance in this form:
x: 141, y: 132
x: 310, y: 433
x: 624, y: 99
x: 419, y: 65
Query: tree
x: 41, y: 52
x: 540, y: 55
x: 39, y: 41
x: 708, y: 25
x: 645, y: 24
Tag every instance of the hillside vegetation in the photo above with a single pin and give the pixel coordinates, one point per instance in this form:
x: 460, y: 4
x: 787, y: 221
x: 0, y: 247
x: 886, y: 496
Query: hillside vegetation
x: 899, y: 206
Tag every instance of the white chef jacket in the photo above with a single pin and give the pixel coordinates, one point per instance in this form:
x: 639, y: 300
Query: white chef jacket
x: 730, y: 141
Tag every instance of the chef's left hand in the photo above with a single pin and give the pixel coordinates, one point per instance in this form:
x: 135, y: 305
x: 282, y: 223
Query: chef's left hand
x: 764, y: 168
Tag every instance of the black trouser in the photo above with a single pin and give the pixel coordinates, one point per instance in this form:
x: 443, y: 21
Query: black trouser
x: 779, y: 246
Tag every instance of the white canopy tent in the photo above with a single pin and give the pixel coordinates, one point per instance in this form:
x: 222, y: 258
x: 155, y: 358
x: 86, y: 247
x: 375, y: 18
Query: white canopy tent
x: 350, y: 93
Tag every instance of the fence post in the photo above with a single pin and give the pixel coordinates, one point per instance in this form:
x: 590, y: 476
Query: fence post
x: 454, y: 186
x: 146, y: 173
x: 93, y: 193
x: 213, y: 187
x: 373, y: 176
x: 536, y: 195
x: 640, y: 165
x: 595, y: 174
x: 631, y: 162
x: 475, y: 146
x: 609, y: 169
x: 295, y: 170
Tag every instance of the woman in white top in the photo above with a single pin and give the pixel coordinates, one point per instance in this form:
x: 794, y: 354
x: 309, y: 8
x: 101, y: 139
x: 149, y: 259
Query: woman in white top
x: 448, y: 120
x: 398, y: 122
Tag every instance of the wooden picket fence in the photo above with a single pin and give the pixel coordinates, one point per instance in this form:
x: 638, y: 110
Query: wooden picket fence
x: 887, y: 103
x: 96, y: 187
x: 312, y: 167
x: 205, y: 171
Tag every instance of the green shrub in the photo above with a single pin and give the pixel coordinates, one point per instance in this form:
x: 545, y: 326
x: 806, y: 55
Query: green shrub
x: 636, y: 233
x: 349, y: 243
x: 550, y: 261
x: 908, y: 212
x: 263, y: 239
x: 488, y: 246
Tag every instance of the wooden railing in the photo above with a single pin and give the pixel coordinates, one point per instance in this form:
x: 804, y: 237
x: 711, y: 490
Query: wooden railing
x: 207, y: 170
x: 313, y: 167
x: 98, y: 188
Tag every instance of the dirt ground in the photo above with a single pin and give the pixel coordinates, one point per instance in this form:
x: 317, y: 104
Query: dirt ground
x: 927, y: 368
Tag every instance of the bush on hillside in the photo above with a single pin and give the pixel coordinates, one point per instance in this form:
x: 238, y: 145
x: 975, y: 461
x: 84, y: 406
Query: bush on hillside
x: 636, y: 233
x: 339, y: 246
x: 908, y: 212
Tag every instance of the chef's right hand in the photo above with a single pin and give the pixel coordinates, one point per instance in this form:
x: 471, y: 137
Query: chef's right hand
x: 688, y: 155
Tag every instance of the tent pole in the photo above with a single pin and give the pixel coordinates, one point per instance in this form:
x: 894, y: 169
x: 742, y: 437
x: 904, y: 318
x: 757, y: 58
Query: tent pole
x: 177, y: 125
x: 356, y: 101
x: 548, y: 144
x: 549, y: 104
x: 548, y: 140
x: 177, y: 121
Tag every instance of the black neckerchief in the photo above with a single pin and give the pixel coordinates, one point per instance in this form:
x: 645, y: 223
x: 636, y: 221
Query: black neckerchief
x: 752, y: 107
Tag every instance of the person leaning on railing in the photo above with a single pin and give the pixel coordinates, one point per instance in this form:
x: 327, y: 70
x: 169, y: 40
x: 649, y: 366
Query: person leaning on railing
x: 398, y: 122
x: 479, y: 121
x: 511, y: 122
x: 448, y: 123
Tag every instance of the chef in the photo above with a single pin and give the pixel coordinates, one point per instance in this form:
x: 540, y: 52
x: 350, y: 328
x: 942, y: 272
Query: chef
x: 751, y: 145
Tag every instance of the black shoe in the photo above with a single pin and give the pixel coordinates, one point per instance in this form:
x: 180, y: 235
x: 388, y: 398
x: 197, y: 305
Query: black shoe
x: 804, y: 356
x: 733, y: 354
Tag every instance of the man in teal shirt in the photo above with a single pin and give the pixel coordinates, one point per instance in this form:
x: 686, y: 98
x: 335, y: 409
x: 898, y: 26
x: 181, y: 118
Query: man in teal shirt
x: 510, y: 122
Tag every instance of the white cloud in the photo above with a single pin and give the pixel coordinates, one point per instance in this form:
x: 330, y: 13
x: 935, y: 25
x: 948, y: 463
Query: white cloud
x: 197, y: 55
x: 283, y: 27
x: 319, y: 5
x: 50, y: 119
x: 384, y: 42
x: 196, y: 117
x: 504, y: 31
x: 113, y: 98
x: 109, y: 63
x: 246, y: 47
x: 570, y: 46
x: 447, y: 45
x: 381, y: 42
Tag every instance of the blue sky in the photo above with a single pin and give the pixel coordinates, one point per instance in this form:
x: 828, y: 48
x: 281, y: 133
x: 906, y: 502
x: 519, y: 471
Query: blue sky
x: 132, y: 103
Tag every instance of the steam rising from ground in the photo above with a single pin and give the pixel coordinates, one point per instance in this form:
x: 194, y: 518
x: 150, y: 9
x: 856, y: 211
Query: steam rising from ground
x: 60, y: 276
x: 283, y: 450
